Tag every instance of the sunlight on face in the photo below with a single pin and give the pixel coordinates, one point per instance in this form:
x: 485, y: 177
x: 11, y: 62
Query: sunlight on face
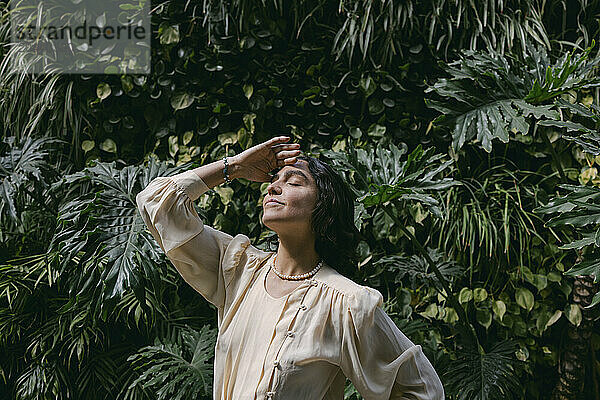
x: 295, y: 191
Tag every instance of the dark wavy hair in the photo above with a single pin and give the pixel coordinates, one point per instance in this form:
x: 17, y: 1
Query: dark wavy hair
x: 336, y: 236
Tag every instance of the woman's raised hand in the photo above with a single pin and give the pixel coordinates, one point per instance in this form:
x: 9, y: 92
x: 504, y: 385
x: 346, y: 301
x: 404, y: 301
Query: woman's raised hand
x: 256, y: 162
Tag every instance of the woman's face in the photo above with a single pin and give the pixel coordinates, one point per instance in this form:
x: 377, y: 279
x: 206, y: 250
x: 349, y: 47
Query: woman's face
x: 296, y: 192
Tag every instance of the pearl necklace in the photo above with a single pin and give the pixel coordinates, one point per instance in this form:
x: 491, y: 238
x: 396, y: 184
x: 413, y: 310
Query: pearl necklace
x: 296, y: 277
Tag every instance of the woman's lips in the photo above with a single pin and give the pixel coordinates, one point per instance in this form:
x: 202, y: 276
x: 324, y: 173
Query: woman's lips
x: 273, y: 202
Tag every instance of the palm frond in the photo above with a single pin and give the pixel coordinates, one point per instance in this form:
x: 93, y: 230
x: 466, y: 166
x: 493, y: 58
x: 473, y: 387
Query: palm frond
x: 490, y: 219
x: 43, y: 380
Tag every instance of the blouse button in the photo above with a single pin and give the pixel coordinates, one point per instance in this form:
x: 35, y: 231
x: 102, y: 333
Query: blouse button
x: 290, y: 334
x: 276, y: 363
x: 270, y: 395
x: 303, y: 307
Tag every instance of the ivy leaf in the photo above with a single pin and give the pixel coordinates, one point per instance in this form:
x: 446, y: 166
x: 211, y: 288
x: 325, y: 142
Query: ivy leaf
x: 355, y: 132
x: 375, y: 106
x: 524, y: 298
x: 484, y: 317
x: 376, y: 130
x: 542, y: 320
x: 540, y: 281
x: 479, y: 294
x: 103, y: 90
x: 109, y: 145
x: 181, y: 100
x: 499, y: 308
x: 228, y: 138
x: 450, y: 315
x: 554, y: 276
x: 465, y: 295
x: 173, y: 145
x: 187, y: 137
x: 225, y: 193
x: 249, y: 121
x: 431, y: 311
x: 87, y: 145
x: 248, y: 90
x: 555, y: 317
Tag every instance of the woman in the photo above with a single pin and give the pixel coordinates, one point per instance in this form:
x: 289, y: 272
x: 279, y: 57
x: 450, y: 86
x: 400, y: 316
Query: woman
x: 290, y: 325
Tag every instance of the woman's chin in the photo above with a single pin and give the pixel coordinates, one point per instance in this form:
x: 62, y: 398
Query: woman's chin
x: 270, y: 221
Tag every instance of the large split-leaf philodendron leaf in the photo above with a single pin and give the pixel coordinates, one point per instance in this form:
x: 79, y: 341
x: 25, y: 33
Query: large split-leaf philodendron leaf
x: 103, y: 233
x: 488, y: 95
x: 579, y: 208
x: 391, y: 173
x: 178, y: 366
x: 418, y: 270
x: 22, y: 164
x: 484, y: 375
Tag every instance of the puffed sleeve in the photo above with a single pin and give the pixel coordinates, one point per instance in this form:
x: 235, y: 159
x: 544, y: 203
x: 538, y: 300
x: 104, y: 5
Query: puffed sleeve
x: 205, y: 257
x: 378, y: 358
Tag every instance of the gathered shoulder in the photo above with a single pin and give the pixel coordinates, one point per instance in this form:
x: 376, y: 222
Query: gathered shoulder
x: 253, y: 252
x: 239, y: 244
x: 242, y: 250
x: 356, y: 296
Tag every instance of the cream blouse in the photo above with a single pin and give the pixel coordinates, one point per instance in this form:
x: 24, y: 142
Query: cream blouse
x: 297, y: 347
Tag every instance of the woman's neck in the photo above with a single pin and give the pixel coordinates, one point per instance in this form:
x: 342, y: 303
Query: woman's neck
x: 296, y: 257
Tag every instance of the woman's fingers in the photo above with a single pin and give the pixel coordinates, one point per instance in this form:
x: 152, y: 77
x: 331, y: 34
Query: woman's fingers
x: 287, y: 161
x: 286, y: 154
x: 277, y: 139
x: 285, y: 146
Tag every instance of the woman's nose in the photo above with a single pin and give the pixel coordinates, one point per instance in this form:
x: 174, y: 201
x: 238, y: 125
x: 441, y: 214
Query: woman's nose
x: 272, y: 188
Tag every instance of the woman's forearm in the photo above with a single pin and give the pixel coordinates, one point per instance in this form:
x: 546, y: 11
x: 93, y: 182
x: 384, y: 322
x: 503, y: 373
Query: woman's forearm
x: 212, y: 174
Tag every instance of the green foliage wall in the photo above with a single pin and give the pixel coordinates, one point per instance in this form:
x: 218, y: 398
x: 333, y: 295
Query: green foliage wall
x: 456, y: 123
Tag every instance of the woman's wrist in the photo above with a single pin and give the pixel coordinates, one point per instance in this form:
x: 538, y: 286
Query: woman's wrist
x: 234, y: 168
